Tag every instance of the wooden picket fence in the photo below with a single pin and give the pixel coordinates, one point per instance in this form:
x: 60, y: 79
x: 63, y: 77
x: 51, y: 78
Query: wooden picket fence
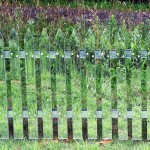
x: 97, y: 56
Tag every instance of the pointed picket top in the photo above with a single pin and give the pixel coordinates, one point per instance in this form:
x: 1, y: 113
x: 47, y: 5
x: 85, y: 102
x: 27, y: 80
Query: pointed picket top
x: 89, y: 42
x: 28, y: 34
x: 13, y: 34
x: 74, y: 35
x: 119, y: 40
x: 13, y: 41
x: 59, y: 41
x: 104, y: 39
x: 66, y: 40
x: 74, y: 40
x: 59, y: 35
x: 44, y: 33
x: 28, y: 41
x: 1, y: 43
x: 44, y: 41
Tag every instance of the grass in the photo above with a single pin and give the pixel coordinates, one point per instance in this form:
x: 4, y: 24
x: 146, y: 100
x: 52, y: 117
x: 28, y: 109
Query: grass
x: 49, y: 145
x: 76, y: 99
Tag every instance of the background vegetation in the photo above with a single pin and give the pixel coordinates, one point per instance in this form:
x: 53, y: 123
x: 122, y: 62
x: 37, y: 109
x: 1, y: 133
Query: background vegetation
x: 78, y: 25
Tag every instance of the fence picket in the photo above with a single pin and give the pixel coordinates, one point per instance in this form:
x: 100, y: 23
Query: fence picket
x: 128, y: 65
x: 83, y: 72
x: 37, y: 60
x: 98, y: 65
x: 14, y: 48
x: 8, y: 93
x: 68, y: 93
x: 113, y: 66
x: 144, y: 93
x: 23, y: 93
x: 83, y: 94
x: 53, y: 62
x: 1, y: 56
x: 44, y: 46
x: 29, y: 46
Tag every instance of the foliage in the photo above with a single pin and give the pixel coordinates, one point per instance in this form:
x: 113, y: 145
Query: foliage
x: 66, y: 28
x: 105, y: 4
x: 59, y: 41
x: 74, y: 40
x: 89, y: 41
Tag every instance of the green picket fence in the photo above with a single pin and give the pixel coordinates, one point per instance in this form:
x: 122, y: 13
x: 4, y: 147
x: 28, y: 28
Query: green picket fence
x: 98, y: 64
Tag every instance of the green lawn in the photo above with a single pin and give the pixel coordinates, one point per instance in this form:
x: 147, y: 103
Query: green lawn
x: 49, y: 145
x: 76, y: 99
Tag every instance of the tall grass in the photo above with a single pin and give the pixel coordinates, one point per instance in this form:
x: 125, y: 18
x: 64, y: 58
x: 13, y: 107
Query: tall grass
x: 62, y: 34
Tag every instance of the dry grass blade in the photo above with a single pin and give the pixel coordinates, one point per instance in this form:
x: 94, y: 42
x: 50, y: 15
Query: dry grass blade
x: 69, y: 140
x: 44, y: 142
x: 105, y: 141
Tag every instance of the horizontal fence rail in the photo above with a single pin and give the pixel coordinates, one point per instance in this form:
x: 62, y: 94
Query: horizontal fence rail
x: 97, y: 61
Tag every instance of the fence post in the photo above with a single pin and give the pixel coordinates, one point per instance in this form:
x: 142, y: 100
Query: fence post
x: 144, y: 93
x: 113, y: 66
x: 98, y: 67
x: 68, y: 91
x: 83, y: 94
x: 1, y: 57
x: 8, y: 93
x: 13, y: 38
x: 23, y: 94
x: 128, y: 65
x: 52, y: 54
x: 38, y: 92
